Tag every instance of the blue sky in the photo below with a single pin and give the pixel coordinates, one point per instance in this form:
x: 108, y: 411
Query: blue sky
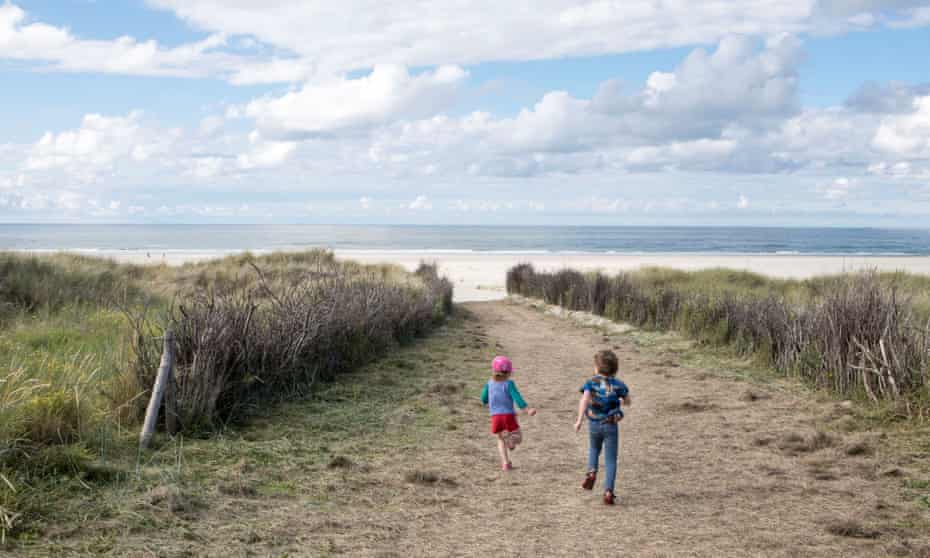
x: 796, y: 112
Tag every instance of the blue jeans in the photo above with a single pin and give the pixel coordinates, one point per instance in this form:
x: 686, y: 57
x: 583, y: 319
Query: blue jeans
x: 606, y: 435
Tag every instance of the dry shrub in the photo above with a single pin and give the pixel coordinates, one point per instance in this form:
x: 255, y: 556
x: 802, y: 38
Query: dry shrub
x: 276, y: 331
x: 855, y: 333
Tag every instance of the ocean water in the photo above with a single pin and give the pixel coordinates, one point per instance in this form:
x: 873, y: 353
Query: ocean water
x: 517, y: 240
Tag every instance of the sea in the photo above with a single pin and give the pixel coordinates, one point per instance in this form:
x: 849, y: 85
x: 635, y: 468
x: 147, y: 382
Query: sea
x: 466, y: 239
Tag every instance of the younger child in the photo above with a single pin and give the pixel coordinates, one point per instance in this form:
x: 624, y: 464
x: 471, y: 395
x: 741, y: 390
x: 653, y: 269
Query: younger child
x: 600, y: 402
x: 500, y: 394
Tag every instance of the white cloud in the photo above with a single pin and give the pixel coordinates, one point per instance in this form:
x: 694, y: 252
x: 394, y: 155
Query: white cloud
x: 210, y: 125
x: 838, y: 189
x: 362, y: 33
x: 884, y: 98
x: 710, y: 113
x: 265, y: 153
x: 309, y: 40
x: 906, y: 135
x: 483, y: 206
x: 57, y: 49
x: 720, y: 113
x: 343, y: 104
x: 420, y: 203
x: 900, y: 170
x: 821, y: 138
x: 207, y: 167
x: 99, y: 145
x: 275, y: 70
x: 692, y: 154
x: 737, y: 81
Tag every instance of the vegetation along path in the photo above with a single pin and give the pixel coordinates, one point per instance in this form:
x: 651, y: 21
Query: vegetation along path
x: 395, y: 460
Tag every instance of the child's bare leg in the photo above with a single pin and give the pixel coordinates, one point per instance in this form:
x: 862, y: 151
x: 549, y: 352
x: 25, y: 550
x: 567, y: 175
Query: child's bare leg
x: 502, y: 448
x: 516, y: 438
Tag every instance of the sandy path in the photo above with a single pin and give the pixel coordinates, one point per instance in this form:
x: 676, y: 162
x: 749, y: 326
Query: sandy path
x: 703, y: 471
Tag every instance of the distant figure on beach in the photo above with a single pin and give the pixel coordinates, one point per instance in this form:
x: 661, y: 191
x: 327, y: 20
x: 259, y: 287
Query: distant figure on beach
x: 602, y: 399
x: 500, y: 394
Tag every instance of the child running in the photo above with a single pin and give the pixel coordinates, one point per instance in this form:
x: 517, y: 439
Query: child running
x: 601, y: 402
x: 500, y: 394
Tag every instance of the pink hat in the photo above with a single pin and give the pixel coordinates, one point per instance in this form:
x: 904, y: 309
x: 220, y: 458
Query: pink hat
x: 502, y: 364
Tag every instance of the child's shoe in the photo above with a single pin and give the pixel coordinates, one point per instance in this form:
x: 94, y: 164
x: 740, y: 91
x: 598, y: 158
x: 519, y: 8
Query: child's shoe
x: 609, y: 498
x: 589, y: 479
x: 507, y: 466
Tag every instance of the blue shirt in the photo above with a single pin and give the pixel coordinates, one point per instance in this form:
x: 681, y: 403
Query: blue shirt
x: 606, y: 393
x: 501, y: 396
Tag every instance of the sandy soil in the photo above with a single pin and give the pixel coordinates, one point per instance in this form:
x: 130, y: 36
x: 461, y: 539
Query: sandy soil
x: 706, y: 470
x: 482, y: 276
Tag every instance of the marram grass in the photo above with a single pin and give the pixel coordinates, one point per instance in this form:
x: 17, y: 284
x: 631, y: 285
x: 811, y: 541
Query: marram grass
x: 860, y: 334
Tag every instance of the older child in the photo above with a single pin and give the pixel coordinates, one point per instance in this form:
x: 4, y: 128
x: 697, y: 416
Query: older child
x: 500, y: 394
x: 601, y: 402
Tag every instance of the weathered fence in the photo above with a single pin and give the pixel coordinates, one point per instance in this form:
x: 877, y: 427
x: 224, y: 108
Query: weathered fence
x: 164, y: 388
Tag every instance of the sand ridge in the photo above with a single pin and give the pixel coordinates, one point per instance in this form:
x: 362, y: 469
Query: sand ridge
x: 479, y: 276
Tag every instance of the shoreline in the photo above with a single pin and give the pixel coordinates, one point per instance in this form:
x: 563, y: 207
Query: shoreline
x: 481, y: 276
x: 184, y: 255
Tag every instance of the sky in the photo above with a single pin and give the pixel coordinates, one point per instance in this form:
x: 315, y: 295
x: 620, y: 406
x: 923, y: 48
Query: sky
x: 603, y: 112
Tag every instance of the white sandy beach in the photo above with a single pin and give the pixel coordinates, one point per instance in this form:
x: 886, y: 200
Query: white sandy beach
x: 481, y: 275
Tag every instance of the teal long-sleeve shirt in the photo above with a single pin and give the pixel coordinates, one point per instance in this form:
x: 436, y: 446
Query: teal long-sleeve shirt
x: 501, y: 405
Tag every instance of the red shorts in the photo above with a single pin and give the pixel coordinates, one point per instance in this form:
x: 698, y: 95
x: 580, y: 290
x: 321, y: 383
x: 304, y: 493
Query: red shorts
x: 500, y: 423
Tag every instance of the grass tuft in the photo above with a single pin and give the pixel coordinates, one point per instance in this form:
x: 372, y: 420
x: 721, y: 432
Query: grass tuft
x: 853, y: 529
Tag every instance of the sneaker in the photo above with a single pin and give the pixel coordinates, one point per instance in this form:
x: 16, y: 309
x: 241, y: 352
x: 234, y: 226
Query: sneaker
x: 609, y: 497
x: 507, y: 466
x: 589, y: 479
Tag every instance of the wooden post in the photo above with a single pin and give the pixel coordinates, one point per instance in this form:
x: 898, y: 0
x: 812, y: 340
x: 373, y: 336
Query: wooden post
x: 158, y: 390
x: 171, y: 402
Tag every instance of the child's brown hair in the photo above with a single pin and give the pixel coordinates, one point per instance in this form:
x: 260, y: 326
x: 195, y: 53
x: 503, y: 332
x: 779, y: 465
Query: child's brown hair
x: 606, y: 362
x: 500, y: 375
